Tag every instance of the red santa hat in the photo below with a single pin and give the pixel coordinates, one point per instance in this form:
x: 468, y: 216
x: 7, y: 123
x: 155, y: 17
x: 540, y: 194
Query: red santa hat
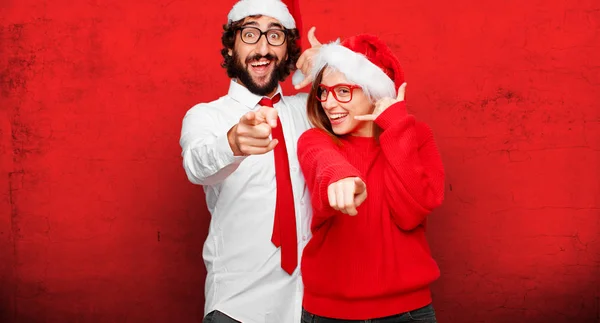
x: 365, y: 60
x: 286, y: 11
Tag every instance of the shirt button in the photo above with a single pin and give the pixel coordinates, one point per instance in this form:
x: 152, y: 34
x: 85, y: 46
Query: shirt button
x: 294, y: 169
x: 301, y: 202
x: 303, y: 238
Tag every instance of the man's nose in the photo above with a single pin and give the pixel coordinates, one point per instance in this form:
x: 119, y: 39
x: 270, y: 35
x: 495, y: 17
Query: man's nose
x: 262, y: 47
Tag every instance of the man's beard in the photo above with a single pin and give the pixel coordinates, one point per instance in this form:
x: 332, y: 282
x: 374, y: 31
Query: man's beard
x: 239, y: 71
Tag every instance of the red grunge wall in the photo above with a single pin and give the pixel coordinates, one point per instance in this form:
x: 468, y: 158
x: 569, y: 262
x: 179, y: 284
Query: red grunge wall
x: 98, y: 222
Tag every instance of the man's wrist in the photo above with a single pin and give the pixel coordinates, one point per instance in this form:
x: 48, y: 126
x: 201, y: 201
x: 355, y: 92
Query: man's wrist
x: 231, y: 140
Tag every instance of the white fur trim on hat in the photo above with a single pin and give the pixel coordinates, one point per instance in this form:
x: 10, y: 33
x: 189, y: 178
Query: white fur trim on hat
x: 271, y: 8
x: 357, y: 68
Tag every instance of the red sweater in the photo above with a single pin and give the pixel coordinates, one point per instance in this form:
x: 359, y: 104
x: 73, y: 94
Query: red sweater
x: 377, y: 263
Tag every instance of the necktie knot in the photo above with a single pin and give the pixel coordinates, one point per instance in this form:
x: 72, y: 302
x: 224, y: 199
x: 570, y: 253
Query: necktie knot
x: 269, y: 102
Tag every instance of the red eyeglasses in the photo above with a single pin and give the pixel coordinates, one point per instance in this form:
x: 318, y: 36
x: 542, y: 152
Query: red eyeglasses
x: 341, y: 92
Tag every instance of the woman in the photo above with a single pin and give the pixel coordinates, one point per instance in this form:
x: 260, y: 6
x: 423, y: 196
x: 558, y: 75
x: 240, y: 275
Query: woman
x: 368, y: 258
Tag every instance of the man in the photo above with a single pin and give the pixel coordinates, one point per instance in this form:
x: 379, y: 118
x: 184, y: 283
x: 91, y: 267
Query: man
x: 243, y: 151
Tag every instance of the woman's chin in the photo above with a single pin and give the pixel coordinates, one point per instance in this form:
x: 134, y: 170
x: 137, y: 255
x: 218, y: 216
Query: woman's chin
x: 340, y: 131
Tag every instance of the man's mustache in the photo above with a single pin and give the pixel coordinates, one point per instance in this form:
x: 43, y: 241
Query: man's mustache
x: 259, y: 57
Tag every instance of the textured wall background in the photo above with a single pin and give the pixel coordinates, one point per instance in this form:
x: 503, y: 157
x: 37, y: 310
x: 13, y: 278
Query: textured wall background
x: 98, y: 222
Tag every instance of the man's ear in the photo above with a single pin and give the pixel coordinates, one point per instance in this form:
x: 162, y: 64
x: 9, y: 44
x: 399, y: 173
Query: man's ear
x: 230, y: 52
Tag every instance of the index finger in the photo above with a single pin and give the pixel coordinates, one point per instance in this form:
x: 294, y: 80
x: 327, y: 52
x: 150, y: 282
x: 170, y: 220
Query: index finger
x: 366, y: 117
x: 349, y: 199
x: 270, y: 116
x: 312, y: 39
x: 249, y: 119
x: 359, y: 185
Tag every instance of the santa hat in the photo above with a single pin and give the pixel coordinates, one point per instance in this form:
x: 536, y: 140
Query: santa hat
x: 286, y: 11
x: 364, y: 60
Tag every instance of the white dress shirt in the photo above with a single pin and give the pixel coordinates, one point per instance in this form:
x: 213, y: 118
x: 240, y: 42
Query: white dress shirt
x: 245, y: 279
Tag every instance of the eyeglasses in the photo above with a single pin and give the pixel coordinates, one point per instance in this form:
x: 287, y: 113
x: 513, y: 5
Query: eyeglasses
x: 251, y: 35
x: 341, y: 92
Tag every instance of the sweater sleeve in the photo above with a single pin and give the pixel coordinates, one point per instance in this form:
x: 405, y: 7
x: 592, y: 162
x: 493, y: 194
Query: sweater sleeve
x: 414, y: 175
x: 322, y: 164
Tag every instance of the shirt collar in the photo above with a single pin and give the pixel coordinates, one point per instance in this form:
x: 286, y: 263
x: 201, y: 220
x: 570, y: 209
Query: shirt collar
x: 242, y: 95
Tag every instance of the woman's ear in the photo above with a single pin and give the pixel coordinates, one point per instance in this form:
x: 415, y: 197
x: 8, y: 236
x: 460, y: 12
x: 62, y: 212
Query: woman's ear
x: 372, y: 107
x: 372, y: 101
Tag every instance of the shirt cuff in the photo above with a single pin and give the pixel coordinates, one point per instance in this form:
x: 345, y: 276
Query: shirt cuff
x: 224, y: 152
x: 392, y: 115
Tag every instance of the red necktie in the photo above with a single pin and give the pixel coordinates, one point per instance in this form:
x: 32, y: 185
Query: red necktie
x: 284, y: 226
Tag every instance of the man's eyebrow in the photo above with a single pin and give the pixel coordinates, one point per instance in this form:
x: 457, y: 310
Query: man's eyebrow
x: 250, y: 23
x: 271, y: 25
x: 274, y: 24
